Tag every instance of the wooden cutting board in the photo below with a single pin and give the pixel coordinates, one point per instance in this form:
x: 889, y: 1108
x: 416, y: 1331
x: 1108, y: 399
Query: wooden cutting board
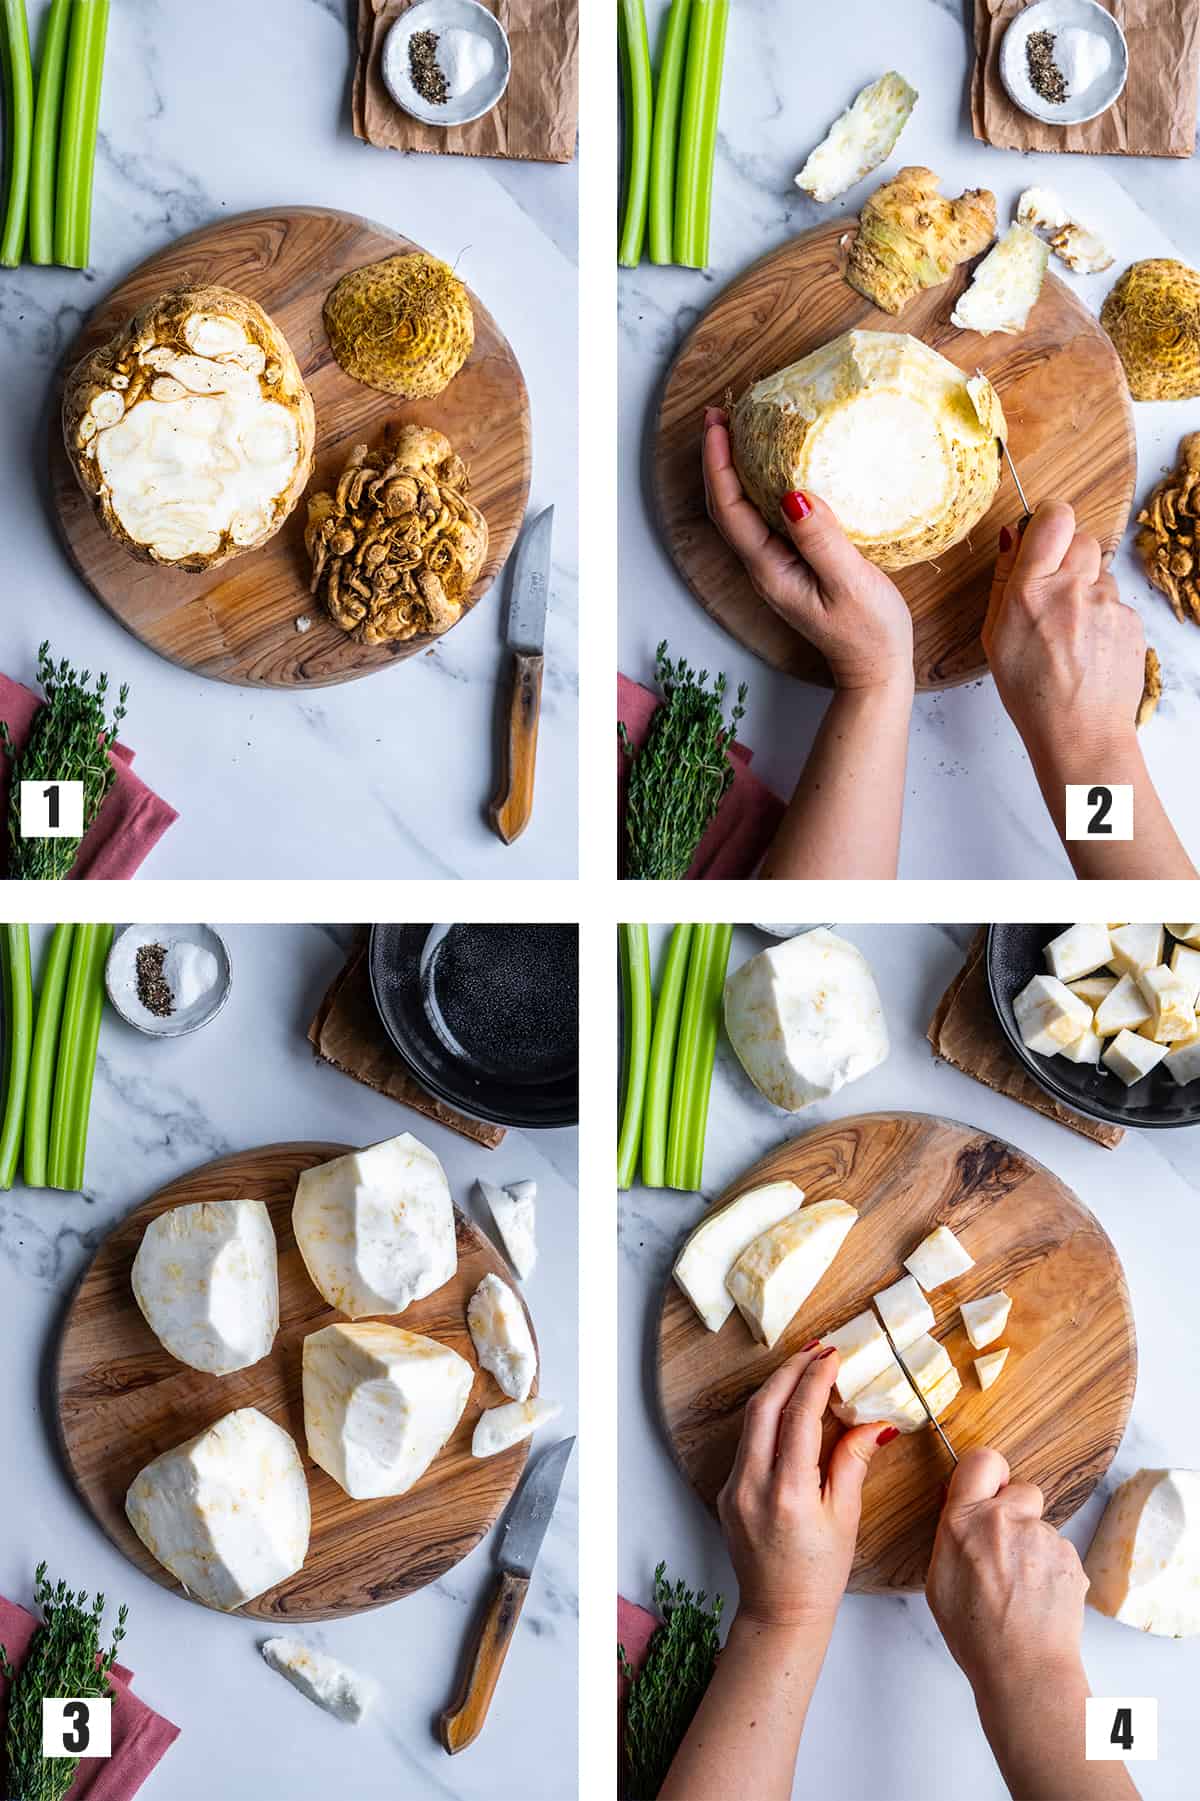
x: 1064, y: 394
x: 1060, y: 1406
x: 122, y: 1400
x: 238, y: 623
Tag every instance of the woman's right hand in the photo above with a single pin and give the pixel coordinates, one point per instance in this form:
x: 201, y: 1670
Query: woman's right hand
x: 1005, y: 1589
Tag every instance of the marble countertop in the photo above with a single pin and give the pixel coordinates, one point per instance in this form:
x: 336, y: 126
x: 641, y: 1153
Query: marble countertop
x: 892, y: 1718
x: 161, y: 1108
x: 973, y: 808
x: 230, y: 108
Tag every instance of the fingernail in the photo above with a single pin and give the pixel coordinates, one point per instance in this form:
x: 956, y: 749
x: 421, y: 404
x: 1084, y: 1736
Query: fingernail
x: 796, y: 505
x: 713, y: 416
x: 1006, y: 538
x: 825, y: 1354
x: 887, y: 1435
x: 811, y: 1345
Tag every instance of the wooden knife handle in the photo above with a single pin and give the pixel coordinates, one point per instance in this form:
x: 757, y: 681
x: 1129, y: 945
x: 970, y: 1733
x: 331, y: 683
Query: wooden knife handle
x: 463, y: 1721
x: 513, y: 804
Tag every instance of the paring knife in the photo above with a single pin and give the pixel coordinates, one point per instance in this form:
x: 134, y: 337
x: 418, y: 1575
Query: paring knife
x: 520, y: 1543
x: 1012, y: 469
x: 914, y: 1385
x: 513, y: 805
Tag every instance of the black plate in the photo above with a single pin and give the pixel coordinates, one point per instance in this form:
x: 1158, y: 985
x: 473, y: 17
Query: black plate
x: 485, y: 1016
x: 1014, y: 957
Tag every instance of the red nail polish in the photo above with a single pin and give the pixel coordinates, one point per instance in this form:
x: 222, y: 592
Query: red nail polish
x: 1006, y: 538
x: 887, y: 1435
x: 796, y: 506
x: 713, y: 416
x: 811, y: 1345
x: 825, y: 1354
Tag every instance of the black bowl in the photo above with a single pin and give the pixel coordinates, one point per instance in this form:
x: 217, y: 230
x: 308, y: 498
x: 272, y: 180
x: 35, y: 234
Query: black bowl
x: 1014, y: 956
x: 485, y: 1016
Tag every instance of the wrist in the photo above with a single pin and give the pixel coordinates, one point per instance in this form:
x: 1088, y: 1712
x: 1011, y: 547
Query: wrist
x: 783, y: 1627
x: 1104, y: 753
x: 895, y: 685
x: 1006, y: 1687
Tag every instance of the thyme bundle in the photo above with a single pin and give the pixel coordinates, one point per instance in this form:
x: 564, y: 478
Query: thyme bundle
x: 665, y: 1693
x: 681, y: 774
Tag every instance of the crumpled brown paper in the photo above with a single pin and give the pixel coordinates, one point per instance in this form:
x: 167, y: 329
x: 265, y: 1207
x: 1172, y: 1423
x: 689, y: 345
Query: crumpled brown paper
x: 1156, y: 114
x: 537, y: 118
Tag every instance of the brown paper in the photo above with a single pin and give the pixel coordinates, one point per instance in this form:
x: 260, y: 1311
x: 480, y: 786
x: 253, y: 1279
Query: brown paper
x: 537, y: 117
x: 964, y: 1031
x: 347, y: 1033
x: 1154, y: 116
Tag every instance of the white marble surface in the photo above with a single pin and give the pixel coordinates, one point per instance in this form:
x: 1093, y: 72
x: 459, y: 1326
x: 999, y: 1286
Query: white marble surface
x: 162, y: 1108
x: 212, y: 111
x: 973, y: 808
x: 893, y: 1719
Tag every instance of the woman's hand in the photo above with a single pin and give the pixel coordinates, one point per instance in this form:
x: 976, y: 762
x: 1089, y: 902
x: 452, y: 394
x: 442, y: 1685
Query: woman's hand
x: 1068, y: 656
x: 1005, y: 1589
x: 791, y: 1538
x: 814, y: 578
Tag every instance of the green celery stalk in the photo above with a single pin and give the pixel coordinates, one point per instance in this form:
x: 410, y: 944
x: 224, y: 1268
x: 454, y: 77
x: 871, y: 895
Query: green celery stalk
x: 639, y: 108
x: 704, y: 1054
x: 67, y: 1078
x: 681, y: 1087
x: 664, y: 146
x: 19, y: 69
x: 89, y: 1040
x: 47, y: 120
x: 662, y: 1058
x: 80, y: 123
x: 18, y: 1028
x: 698, y: 131
x: 45, y: 1050
x: 635, y: 969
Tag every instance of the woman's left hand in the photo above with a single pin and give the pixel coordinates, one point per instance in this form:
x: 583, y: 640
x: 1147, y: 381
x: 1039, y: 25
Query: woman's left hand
x: 791, y: 1536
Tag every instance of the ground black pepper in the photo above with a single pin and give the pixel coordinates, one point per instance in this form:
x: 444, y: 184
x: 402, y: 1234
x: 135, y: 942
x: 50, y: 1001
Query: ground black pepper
x: 423, y: 67
x: 153, y: 991
x: 1045, y: 76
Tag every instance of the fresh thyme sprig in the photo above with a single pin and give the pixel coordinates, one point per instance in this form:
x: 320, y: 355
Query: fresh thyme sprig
x: 665, y: 1693
x: 681, y: 774
x: 64, y: 1659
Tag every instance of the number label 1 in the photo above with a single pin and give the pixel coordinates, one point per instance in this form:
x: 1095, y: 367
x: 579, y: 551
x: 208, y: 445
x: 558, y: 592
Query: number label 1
x: 51, y: 809
x: 78, y: 1726
x: 1121, y: 1729
x: 1100, y: 811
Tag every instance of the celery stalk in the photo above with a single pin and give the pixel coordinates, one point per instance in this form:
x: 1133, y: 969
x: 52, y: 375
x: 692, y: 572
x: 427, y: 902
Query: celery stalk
x: 698, y: 131
x: 679, y: 1127
x: 704, y: 1054
x: 18, y: 1031
x: 639, y: 107
x: 89, y: 1039
x: 665, y: 141
x: 19, y: 69
x: 47, y: 118
x: 80, y: 123
x: 66, y: 1080
x: 45, y: 1049
x: 635, y: 969
x: 662, y: 1058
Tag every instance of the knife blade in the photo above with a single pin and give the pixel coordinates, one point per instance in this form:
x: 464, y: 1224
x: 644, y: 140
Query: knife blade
x: 526, y: 635
x: 520, y: 1542
x: 1012, y: 469
x: 916, y: 1388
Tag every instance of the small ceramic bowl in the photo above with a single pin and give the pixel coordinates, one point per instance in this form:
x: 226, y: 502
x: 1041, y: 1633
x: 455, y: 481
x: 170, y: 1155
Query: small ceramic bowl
x: 441, y: 16
x: 120, y: 979
x: 1059, y: 16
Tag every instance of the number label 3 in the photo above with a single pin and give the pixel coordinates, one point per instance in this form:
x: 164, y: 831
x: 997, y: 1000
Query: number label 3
x: 77, y: 1726
x: 1121, y: 1729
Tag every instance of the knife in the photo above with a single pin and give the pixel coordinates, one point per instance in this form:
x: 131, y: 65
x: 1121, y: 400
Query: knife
x: 511, y: 809
x: 520, y: 1542
x: 916, y: 1388
x: 1012, y: 470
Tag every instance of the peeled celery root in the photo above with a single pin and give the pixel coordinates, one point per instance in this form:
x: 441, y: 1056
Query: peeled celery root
x: 911, y: 237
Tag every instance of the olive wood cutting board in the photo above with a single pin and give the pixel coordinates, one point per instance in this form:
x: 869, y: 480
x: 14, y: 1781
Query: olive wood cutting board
x: 1061, y: 384
x: 237, y: 623
x: 122, y: 1399
x: 1060, y: 1406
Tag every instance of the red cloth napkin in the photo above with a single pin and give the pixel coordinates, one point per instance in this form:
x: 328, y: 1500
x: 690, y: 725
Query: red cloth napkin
x: 139, y: 1735
x: 747, y: 819
x: 635, y: 1628
x: 128, y: 825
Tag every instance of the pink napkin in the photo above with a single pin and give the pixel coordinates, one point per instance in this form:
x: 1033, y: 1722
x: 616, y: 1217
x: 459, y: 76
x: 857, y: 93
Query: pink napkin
x: 139, y: 1735
x: 747, y: 819
x: 129, y: 824
x: 635, y: 1628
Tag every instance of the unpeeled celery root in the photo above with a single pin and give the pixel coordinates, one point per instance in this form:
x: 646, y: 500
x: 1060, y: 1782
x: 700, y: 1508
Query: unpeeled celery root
x: 912, y: 237
x: 1152, y: 316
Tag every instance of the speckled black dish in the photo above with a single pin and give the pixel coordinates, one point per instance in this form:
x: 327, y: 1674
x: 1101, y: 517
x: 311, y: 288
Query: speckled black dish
x: 485, y: 1016
x: 1014, y: 956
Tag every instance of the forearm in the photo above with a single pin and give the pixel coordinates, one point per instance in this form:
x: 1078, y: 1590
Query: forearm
x: 844, y: 819
x: 746, y: 1732
x: 1154, y: 853
x: 1035, y: 1727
